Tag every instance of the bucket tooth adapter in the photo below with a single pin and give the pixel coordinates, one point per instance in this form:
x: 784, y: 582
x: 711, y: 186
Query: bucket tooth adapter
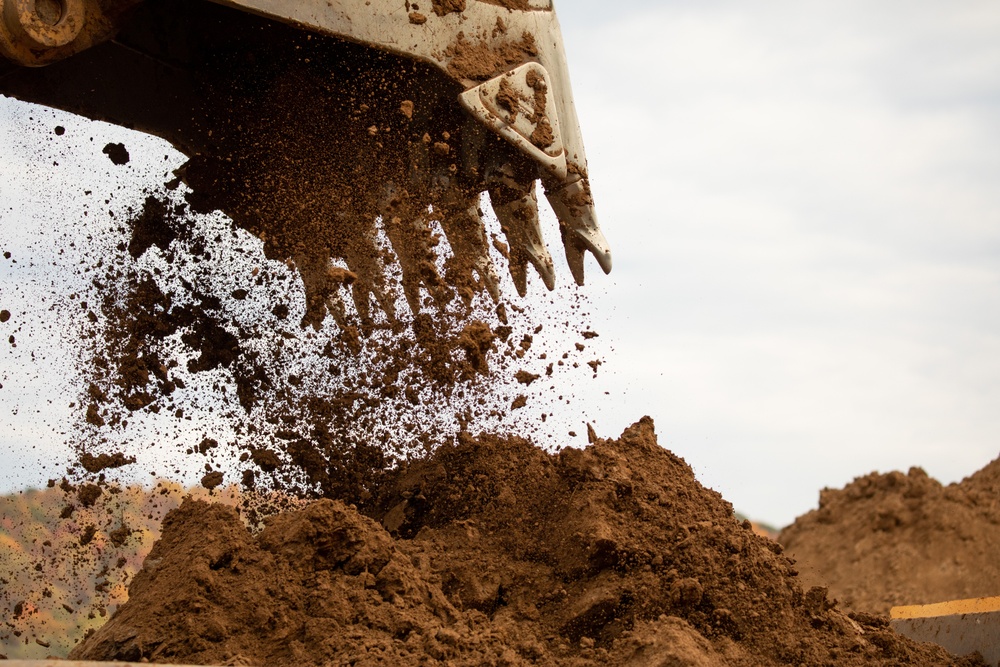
x: 313, y: 122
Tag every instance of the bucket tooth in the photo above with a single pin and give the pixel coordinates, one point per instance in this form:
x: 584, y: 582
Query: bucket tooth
x: 463, y: 226
x: 322, y: 281
x: 578, y: 226
x: 407, y: 226
x: 402, y: 234
x: 335, y: 306
x: 363, y: 258
x: 517, y: 211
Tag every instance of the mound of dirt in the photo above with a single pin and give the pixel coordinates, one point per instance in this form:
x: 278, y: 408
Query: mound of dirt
x: 886, y: 540
x: 493, y: 552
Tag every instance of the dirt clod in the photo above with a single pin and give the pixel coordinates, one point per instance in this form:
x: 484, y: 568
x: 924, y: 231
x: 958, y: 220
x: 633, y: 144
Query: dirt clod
x: 117, y: 153
x: 88, y: 494
x: 212, y: 480
x: 524, y: 377
x: 95, y: 464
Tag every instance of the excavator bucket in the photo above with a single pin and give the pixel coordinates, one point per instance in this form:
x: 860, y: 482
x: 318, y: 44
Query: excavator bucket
x: 314, y: 123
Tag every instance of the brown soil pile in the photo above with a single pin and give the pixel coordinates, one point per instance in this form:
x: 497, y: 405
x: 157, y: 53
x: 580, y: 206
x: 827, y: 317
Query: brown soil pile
x: 493, y: 552
x: 886, y: 540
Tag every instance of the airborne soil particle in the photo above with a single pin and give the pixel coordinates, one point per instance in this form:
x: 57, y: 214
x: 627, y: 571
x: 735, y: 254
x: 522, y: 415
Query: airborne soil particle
x: 88, y: 494
x: 120, y: 535
x: 493, y: 552
x: 212, y: 480
x: 206, y: 445
x: 152, y: 227
x: 95, y: 464
x: 117, y: 153
x: 476, y: 340
x: 87, y: 535
x: 524, y: 377
x: 94, y: 417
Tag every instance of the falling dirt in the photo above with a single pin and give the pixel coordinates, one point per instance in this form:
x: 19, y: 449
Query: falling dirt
x: 377, y: 188
x: 117, y: 153
x: 315, y: 290
x: 493, y: 552
x: 898, y: 539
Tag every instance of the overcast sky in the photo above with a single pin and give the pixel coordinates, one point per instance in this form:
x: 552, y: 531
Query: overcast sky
x: 803, y: 205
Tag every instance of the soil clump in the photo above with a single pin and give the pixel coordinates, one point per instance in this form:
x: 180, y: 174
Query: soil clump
x: 897, y: 539
x: 492, y: 551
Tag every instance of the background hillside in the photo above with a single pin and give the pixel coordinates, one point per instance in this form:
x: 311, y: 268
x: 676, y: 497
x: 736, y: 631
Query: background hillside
x: 67, y: 554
